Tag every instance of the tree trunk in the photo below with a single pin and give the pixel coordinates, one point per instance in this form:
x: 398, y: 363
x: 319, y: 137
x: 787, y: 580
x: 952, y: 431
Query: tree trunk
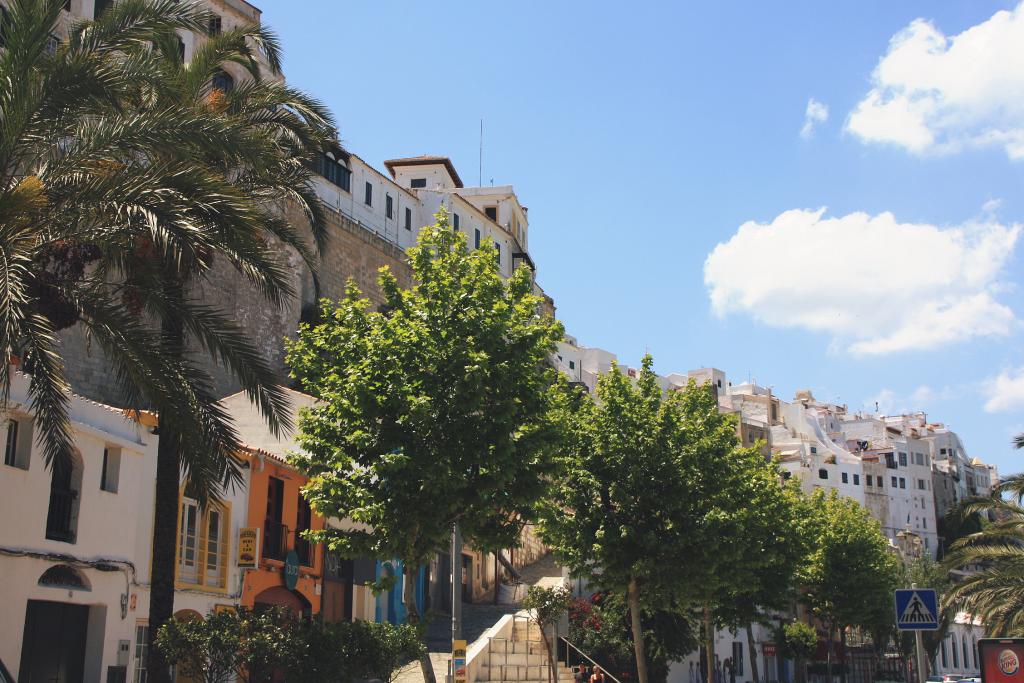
x: 412, y: 616
x: 633, y: 595
x: 752, y: 649
x: 709, y: 644
x: 547, y: 649
x: 831, y: 651
x: 497, y: 583
x: 165, y: 517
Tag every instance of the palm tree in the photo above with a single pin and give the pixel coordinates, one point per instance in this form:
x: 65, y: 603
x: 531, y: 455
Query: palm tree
x: 993, y: 590
x: 123, y: 175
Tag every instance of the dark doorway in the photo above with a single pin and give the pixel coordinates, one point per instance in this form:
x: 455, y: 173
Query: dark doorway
x: 467, y: 578
x: 443, y: 595
x: 53, y: 644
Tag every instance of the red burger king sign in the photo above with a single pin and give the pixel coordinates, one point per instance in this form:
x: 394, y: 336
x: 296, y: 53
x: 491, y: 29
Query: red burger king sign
x: 1001, y: 660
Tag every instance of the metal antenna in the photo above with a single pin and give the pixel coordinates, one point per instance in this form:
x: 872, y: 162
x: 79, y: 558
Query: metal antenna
x: 480, y: 177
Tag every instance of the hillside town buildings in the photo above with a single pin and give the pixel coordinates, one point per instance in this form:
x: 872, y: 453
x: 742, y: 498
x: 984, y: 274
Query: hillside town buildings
x: 77, y: 562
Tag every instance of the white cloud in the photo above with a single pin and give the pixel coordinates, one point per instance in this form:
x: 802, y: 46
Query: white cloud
x: 875, y: 284
x: 889, y: 402
x: 816, y: 112
x: 933, y: 93
x: 1005, y: 391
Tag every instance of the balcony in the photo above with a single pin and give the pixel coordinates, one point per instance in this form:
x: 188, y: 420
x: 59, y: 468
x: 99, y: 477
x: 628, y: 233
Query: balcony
x: 304, y: 549
x: 58, y: 519
x: 275, y: 540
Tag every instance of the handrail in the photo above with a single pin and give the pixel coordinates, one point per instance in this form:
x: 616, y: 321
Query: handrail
x: 586, y: 657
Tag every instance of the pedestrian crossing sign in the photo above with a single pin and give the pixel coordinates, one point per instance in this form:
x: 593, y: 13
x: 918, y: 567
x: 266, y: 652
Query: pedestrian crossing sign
x: 917, y: 609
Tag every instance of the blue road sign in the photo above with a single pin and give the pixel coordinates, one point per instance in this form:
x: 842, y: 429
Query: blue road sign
x: 917, y: 609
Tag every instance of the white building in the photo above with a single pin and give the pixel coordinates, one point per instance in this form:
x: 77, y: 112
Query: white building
x: 958, y: 652
x: 75, y: 544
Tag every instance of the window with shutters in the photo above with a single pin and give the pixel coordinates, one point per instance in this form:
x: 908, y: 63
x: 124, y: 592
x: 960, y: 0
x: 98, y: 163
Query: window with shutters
x: 203, y: 545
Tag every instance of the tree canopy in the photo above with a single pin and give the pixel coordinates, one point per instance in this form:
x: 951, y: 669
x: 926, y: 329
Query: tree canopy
x: 440, y: 407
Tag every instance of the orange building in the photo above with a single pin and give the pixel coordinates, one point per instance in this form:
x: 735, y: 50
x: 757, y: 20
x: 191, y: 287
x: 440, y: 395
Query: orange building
x: 288, y: 569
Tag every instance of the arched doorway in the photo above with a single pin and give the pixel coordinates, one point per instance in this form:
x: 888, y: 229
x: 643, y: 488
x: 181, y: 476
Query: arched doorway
x: 280, y: 596
x: 65, y: 577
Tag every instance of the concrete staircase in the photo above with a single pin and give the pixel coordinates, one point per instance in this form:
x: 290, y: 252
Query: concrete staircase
x: 520, y: 658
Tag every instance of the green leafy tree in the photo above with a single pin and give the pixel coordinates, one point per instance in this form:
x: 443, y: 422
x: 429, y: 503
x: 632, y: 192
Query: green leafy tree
x: 546, y: 606
x: 927, y: 573
x: 798, y: 641
x: 242, y: 645
x: 437, y: 409
x: 602, y: 628
x: 611, y: 517
x: 851, y: 572
x: 774, y: 543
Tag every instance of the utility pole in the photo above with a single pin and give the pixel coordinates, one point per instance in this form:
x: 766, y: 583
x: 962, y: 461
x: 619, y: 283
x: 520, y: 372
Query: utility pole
x: 922, y: 664
x: 456, y: 567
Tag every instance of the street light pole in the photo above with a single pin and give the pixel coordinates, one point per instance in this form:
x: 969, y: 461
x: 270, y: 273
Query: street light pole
x: 456, y: 583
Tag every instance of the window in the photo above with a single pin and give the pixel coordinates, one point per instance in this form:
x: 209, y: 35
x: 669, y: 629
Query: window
x: 389, y: 206
x: 214, y: 25
x: 965, y: 651
x: 895, y: 482
x: 188, y: 541
x: 492, y: 213
x: 202, y: 545
x: 408, y: 218
x: 903, y: 483
x: 335, y: 172
x: 956, y: 659
x: 111, y: 472
x: 903, y: 459
x: 455, y: 221
x: 304, y: 522
x: 846, y: 478
x: 98, y: 8
x: 856, y: 480
x: 52, y: 43
x: 867, y: 480
x: 141, y: 652
x: 920, y: 485
x: 890, y: 461
x: 476, y: 238
x: 943, y: 653
x: 497, y: 254
x: 65, y: 486
x: 942, y: 451
x: 18, y: 446
x: 215, y: 547
x: 274, y: 532
x: 418, y: 182
x: 822, y: 473
x: 368, y: 194
x: 222, y: 81
x: 737, y: 658
x: 572, y: 365
x: 924, y: 523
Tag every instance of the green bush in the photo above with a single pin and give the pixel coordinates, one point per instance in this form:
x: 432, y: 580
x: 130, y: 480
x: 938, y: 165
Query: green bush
x: 252, y: 645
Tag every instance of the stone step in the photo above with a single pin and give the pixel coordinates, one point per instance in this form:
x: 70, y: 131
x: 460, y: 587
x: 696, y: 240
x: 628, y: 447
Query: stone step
x: 500, y: 646
x: 515, y: 658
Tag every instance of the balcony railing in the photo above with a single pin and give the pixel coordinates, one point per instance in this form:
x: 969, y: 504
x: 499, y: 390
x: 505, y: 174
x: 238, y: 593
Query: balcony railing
x: 304, y: 549
x: 275, y: 540
x: 58, y: 520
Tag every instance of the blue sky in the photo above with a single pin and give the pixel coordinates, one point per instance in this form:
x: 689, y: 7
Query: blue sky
x: 643, y: 136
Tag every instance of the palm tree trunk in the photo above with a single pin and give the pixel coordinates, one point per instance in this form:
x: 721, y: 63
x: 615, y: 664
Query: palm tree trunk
x: 709, y: 645
x: 752, y: 649
x: 165, y: 521
x: 412, y: 616
x: 633, y: 595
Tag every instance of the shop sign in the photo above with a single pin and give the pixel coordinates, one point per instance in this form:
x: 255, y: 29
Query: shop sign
x: 769, y: 649
x: 248, y: 547
x: 459, y: 661
x: 291, y: 570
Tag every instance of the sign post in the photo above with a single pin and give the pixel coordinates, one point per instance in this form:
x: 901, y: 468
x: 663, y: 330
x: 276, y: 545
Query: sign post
x: 459, y: 661
x: 917, y: 609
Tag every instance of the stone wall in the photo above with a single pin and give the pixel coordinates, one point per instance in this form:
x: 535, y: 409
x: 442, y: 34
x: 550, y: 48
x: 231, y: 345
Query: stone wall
x: 351, y: 252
